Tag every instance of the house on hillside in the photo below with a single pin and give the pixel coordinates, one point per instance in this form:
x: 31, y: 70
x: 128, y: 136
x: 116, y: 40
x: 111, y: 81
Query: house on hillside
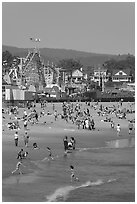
x: 121, y: 76
x: 99, y: 73
x: 78, y: 76
x: 53, y: 91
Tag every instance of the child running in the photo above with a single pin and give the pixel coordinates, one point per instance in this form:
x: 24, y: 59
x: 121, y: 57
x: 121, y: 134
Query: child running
x: 73, y: 177
x: 50, y: 154
x: 18, y: 167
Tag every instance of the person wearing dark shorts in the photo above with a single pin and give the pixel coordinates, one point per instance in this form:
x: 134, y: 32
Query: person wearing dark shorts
x: 65, y: 140
x: 130, y: 127
x: 16, y: 137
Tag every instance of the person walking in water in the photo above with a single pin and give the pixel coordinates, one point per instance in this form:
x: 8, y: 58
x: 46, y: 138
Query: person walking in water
x: 118, y: 130
x: 18, y: 167
x: 73, y: 177
x: 35, y: 146
x: 50, y: 153
x: 65, y: 140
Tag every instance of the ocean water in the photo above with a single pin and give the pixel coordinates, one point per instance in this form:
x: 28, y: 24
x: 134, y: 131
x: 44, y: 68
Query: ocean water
x: 106, y: 174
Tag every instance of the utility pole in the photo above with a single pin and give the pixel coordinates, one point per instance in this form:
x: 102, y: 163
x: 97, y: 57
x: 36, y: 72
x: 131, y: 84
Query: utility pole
x: 99, y: 76
x: 103, y: 82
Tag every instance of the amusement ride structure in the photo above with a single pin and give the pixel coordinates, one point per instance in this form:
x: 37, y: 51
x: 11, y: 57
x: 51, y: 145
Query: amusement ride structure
x: 32, y: 71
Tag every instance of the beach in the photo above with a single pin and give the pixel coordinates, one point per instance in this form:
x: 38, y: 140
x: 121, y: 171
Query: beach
x: 104, y: 163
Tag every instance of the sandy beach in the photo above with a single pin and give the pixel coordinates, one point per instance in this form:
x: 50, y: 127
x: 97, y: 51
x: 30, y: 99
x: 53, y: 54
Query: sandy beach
x: 104, y: 163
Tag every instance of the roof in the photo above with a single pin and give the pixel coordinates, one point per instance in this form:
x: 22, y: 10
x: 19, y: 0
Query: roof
x: 53, y: 85
x: 52, y: 90
x: 120, y: 76
x: 4, y: 82
x: 77, y: 72
x: 126, y: 71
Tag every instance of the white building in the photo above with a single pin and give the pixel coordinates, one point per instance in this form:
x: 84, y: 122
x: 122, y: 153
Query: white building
x: 121, y: 76
x: 98, y: 74
x: 77, y: 76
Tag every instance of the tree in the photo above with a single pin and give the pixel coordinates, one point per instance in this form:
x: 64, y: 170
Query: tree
x: 7, y: 56
x: 69, y: 65
x: 128, y: 63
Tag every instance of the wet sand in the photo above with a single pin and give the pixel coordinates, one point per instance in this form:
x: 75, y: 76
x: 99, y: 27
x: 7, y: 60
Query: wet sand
x: 100, y: 157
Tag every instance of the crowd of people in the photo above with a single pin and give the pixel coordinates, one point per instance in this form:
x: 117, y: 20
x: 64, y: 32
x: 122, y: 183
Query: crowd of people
x: 71, y: 113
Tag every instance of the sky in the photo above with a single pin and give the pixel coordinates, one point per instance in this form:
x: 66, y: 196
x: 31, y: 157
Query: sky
x: 97, y: 27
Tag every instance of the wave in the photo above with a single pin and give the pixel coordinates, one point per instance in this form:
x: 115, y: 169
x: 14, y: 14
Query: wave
x: 90, y: 148
x: 61, y: 193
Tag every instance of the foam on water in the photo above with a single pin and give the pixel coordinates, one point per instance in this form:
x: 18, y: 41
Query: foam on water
x: 62, y: 193
x: 90, y: 148
x: 69, y: 129
x: 121, y: 143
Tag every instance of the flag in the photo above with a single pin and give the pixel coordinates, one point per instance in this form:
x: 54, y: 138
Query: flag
x: 35, y: 39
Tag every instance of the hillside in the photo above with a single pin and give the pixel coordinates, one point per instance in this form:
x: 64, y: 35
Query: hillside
x: 54, y: 55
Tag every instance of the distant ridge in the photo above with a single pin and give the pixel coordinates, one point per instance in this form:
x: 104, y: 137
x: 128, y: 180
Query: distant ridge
x: 54, y: 55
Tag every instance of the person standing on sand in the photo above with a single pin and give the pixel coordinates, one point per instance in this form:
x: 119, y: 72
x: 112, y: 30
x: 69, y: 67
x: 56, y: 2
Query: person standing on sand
x: 26, y: 138
x: 25, y: 124
x: 55, y: 115
x: 25, y: 114
x: 92, y: 124
x: 118, y: 130
x: 16, y: 138
x: 112, y: 124
x: 130, y: 127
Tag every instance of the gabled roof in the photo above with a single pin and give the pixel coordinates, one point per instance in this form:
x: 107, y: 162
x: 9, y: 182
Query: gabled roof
x: 77, y: 72
x: 52, y: 90
x: 126, y: 71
